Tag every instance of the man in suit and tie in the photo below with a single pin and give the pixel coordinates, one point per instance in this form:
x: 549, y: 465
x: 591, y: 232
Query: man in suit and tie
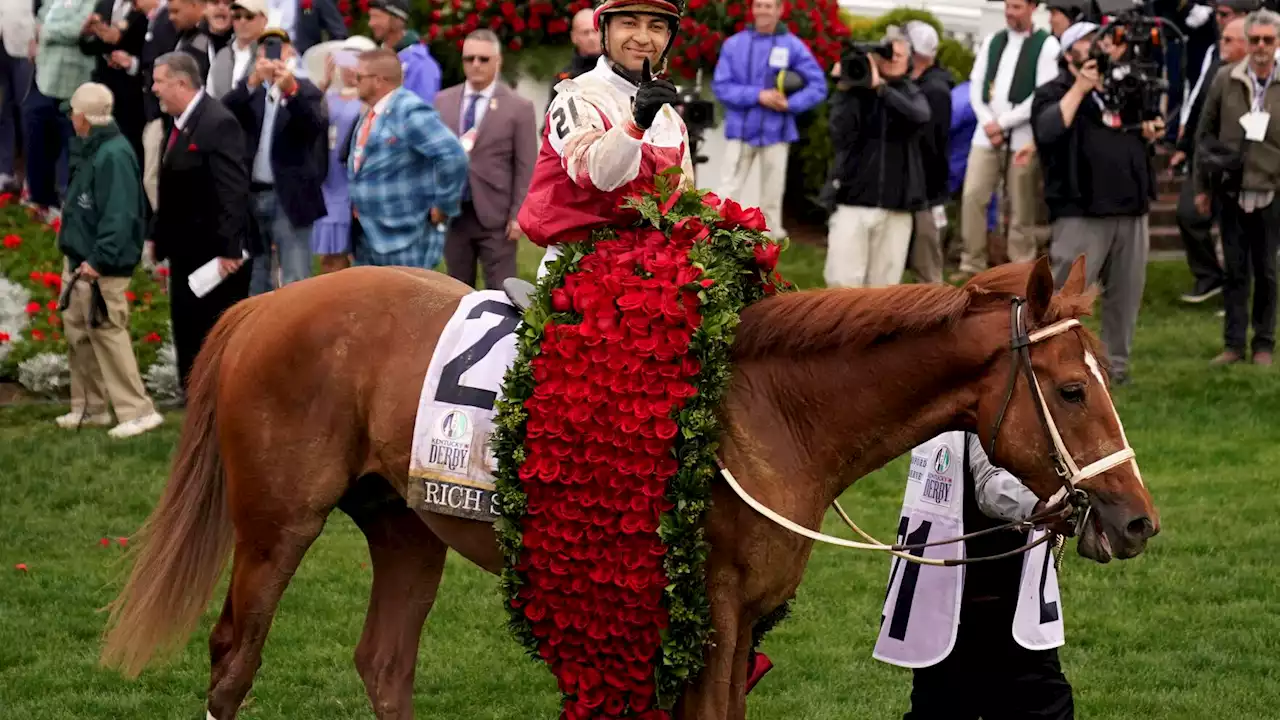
x: 204, y: 200
x: 405, y: 170
x: 498, y: 129
x: 118, y: 25
x: 287, y: 129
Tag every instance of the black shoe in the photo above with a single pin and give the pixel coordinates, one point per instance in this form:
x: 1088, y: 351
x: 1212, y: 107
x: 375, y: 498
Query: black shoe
x: 1202, y: 292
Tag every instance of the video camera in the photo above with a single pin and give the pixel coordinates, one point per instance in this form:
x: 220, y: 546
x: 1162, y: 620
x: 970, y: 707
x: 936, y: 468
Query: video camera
x: 699, y: 116
x: 1133, y: 86
x: 855, y: 61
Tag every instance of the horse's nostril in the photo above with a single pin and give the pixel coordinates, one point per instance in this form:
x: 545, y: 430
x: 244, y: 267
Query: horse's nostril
x: 1141, y: 527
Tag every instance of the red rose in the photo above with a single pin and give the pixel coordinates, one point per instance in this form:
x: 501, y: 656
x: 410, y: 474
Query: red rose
x: 766, y: 255
x: 346, y: 20
x: 33, y: 308
x: 54, y: 320
x: 53, y: 280
x: 52, y: 305
x: 36, y: 276
x: 707, y: 282
x: 12, y: 242
x: 5, y: 199
x: 152, y: 338
x: 128, y: 295
x: 515, y: 44
x: 56, y: 224
x: 737, y: 216
x: 4, y: 337
x: 37, y: 335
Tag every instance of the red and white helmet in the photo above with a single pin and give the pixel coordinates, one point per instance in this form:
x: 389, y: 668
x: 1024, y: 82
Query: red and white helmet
x: 662, y: 8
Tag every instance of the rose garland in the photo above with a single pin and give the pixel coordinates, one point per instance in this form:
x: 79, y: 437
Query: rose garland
x: 606, y: 440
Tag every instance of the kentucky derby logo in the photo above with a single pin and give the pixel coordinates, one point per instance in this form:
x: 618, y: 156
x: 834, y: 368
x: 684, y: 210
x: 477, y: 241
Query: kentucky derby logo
x: 942, y: 459
x: 451, y: 443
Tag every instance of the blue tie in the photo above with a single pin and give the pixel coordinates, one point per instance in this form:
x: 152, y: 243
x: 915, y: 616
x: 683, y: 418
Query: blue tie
x: 468, y: 122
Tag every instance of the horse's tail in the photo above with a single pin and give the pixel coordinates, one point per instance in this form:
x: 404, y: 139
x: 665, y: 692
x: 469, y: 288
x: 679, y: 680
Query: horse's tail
x: 183, y: 546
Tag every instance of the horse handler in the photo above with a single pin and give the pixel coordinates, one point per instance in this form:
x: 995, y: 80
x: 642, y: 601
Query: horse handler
x: 965, y: 630
x: 101, y: 238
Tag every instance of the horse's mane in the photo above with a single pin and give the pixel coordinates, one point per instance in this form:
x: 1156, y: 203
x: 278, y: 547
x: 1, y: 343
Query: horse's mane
x: 814, y: 321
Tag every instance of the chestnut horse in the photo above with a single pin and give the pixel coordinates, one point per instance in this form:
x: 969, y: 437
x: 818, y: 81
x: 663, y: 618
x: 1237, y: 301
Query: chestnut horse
x: 290, y: 417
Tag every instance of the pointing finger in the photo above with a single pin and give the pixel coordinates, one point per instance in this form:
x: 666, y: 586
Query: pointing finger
x: 646, y: 72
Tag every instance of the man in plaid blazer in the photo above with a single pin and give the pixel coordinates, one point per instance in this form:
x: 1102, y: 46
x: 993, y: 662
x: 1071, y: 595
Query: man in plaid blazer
x: 406, y: 171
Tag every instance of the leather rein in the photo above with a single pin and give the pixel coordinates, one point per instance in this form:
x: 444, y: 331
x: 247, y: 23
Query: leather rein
x: 1069, y: 503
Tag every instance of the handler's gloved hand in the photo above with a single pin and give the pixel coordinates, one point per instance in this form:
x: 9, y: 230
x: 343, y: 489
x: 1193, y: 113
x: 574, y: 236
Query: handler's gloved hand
x: 652, y: 95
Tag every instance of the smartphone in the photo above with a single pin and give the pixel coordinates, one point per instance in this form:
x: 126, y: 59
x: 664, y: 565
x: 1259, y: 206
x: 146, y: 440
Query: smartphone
x: 273, y: 48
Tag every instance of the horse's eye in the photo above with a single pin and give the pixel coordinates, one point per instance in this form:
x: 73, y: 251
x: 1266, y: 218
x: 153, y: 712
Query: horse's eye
x: 1073, y: 393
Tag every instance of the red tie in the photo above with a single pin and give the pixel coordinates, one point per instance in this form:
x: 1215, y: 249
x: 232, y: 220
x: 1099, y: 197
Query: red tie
x: 173, y: 138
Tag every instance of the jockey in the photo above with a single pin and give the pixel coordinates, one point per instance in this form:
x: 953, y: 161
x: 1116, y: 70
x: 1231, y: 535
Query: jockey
x: 610, y: 131
x: 970, y: 629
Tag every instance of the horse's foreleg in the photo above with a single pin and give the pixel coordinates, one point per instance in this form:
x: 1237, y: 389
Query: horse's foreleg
x: 260, y: 572
x: 710, y: 697
x: 408, y: 560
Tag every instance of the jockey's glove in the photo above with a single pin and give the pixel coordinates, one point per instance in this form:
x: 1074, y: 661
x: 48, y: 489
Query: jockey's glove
x: 652, y: 95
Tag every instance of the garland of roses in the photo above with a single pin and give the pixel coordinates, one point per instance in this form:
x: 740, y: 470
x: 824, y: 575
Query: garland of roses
x: 606, y: 443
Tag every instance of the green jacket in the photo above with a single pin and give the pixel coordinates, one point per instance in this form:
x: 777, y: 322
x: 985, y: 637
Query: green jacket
x: 102, y: 218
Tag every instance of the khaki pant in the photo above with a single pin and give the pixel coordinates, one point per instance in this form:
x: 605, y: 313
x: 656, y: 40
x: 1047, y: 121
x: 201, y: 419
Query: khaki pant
x: 153, y: 150
x: 103, y: 367
x: 738, y: 159
x: 867, y: 247
x: 982, y: 178
x: 926, y: 248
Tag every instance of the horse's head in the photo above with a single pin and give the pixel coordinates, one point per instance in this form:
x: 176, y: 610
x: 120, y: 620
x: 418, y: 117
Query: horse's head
x: 1046, y: 415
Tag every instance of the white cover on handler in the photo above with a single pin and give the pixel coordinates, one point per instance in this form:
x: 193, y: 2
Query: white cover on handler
x: 921, y: 615
x: 451, y: 467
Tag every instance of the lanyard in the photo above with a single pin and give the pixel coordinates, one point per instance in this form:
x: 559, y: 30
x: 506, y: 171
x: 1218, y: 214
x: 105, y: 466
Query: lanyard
x: 1260, y: 93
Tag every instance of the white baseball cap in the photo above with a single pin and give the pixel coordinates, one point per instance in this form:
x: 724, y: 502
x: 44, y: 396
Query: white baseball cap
x: 923, y: 38
x: 1075, y: 34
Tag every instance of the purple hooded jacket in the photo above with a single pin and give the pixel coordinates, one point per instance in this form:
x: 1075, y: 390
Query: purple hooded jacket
x: 745, y: 68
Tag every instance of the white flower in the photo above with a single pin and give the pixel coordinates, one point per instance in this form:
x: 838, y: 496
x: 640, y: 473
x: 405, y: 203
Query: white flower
x: 13, y: 308
x: 162, y: 377
x: 45, y: 374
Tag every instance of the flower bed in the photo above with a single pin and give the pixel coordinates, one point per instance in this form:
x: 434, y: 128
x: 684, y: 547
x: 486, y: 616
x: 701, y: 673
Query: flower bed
x: 606, y: 446
x: 33, y: 347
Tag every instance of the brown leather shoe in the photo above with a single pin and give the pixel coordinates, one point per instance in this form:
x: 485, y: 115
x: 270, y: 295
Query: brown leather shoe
x: 1262, y: 358
x: 1228, y: 357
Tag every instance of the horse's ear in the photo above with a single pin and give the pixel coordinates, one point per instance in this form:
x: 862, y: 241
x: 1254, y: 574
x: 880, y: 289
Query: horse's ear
x: 1075, y: 279
x: 1039, y: 289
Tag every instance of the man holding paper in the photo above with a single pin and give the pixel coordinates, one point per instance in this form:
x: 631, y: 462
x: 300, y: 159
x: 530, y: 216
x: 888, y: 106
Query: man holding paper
x: 201, y: 222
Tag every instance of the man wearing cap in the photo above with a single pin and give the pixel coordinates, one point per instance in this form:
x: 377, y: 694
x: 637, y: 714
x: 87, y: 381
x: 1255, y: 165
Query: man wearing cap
x: 926, y: 257
x: 389, y: 25
x: 764, y: 78
x: 287, y: 130
x: 1009, y: 66
x: 101, y: 237
x: 234, y: 62
x: 1099, y: 185
x: 498, y: 129
x: 1196, y: 228
x: 118, y: 25
x: 610, y: 131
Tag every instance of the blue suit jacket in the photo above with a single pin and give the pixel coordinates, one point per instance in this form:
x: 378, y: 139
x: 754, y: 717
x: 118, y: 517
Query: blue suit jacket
x: 299, y: 145
x: 412, y: 163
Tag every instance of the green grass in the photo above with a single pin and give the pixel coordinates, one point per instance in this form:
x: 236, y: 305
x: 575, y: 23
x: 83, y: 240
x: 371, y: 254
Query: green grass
x: 1189, y: 630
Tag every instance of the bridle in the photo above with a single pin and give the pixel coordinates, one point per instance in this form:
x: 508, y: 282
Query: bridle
x: 1070, y: 503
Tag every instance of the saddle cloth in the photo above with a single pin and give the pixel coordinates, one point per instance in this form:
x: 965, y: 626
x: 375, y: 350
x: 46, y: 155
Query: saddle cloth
x: 451, y: 466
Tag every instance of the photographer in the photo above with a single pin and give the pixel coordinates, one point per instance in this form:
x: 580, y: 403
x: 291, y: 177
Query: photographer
x: 877, y: 115
x: 1098, y: 185
x: 1237, y: 133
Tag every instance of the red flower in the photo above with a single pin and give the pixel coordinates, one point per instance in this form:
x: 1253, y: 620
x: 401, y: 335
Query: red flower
x: 36, y: 276
x: 711, y: 200
x: 707, y: 282
x: 12, y: 242
x: 5, y: 199
x: 346, y: 20
x: 52, y: 305
x: 54, y: 320
x: 736, y: 216
x: 162, y: 271
x: 52, y: 280
x: 4, y: 337
x: 33, y: 307
x: 766, y: 255
x: 56, y: 224
x: 152, y: 338
x: 130, y: 296
x: 37, y: 335
x: 560, y: 301
x: 515, y: 44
